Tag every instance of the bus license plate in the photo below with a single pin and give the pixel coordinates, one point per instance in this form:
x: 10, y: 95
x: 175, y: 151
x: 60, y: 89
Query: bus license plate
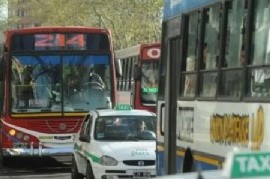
x: 141, y: 174
x: 18, y: 145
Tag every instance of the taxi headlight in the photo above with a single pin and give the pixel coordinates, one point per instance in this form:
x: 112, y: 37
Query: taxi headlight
x: 108, y: 161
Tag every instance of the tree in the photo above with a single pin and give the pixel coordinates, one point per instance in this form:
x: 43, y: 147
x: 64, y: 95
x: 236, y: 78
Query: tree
x: 5, y: 20
x: 3, y: 17
x: 131, y: 21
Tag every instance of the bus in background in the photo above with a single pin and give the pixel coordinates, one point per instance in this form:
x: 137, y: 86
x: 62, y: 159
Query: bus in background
x: 139, y: 81
x: 214, y: 82
x: 50, y: 78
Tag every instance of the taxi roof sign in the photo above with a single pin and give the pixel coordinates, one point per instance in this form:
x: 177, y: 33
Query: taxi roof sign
x: 123, y: 107
x: 248, y: 164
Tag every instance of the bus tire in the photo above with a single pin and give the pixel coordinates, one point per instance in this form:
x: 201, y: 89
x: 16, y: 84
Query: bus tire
x: 1, y: 161
x: 89, y: 171
x: 74, y: 170
x: 188, y: 163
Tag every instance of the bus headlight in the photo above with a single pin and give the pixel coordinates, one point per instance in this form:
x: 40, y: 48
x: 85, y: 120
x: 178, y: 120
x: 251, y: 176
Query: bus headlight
x: 19, y: 135
x: 12, y: 132
x: 108, y: 161
x: 26, y: 138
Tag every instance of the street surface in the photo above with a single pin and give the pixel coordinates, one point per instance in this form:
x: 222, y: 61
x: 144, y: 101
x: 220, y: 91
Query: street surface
x: 36, y: 168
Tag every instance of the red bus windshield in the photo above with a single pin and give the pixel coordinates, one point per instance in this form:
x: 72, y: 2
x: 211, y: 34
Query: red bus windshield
x: 60, y: 72
x: 139, y: 83
x: 149, y: 82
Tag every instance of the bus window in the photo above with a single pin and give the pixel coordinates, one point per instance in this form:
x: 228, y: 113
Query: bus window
x: 260, y: 77
x: 231, y: 80
x: 149, y: 82
x: 189, y: 78
x: 211, y: 38
x: 210, y: 52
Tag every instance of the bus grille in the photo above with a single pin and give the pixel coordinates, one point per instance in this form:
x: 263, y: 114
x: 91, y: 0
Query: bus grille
x: 55, y: 126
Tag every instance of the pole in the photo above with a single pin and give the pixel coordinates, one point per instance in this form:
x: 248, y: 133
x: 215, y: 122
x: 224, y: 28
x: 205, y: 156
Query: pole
x: 171, y: 95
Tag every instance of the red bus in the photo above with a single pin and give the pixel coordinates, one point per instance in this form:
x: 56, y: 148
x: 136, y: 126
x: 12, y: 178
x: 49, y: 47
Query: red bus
x: 50, y: 78
x: 138, y: 84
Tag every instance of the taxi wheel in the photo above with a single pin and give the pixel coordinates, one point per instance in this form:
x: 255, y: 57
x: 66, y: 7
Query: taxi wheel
x: 74, y: 170
x: 89, y: 172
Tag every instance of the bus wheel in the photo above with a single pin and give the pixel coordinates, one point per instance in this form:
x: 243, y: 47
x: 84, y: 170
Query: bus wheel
x: 188, y: 164
x: 1, y: 161
x: 74, y: 170
x: 89, y: 171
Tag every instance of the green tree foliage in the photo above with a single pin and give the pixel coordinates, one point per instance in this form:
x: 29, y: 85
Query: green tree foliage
x: 131, y: 21
x: 6, y: 22
x: 3, y: 16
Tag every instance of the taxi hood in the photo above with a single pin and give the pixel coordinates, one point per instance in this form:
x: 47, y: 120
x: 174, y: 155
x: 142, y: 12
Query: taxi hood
x: 129, y: 150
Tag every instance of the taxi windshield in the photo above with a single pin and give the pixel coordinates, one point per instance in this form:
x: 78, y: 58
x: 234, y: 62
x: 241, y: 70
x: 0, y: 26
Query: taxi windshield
x: 127, y: 128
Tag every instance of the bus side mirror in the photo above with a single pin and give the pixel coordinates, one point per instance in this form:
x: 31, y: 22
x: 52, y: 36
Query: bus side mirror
x: 137, y: 73
x: 118, y: 67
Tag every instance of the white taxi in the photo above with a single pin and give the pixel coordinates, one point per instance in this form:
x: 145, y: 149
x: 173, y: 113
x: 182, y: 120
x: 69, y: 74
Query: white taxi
x: 115, y: 143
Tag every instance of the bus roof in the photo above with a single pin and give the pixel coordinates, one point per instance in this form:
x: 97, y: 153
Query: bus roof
x: 134, y: 50
x: 172, y: 8
x: 55, y: 29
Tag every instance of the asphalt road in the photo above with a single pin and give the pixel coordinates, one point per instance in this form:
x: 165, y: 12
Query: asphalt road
x: 36, y: 168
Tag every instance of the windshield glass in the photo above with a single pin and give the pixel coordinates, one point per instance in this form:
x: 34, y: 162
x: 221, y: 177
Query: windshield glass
x: 125, y: 128
x: 149, y: 83
x: 60, y: 83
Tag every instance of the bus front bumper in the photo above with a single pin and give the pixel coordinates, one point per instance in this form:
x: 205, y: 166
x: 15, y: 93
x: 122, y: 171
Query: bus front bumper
x: 38, y: 151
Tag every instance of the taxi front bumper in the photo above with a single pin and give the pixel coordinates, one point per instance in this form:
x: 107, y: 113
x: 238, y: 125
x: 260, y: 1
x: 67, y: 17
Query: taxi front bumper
x: 125, y: 172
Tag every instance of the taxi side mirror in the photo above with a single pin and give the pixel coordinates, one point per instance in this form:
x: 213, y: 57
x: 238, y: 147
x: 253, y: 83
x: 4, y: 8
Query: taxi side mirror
x: 84, y: 138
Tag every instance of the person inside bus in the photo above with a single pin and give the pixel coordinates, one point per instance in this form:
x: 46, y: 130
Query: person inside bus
x: 16, y: 79
x: 26, y: 90
x: 41, y: 85
x: 95, y: 79
x: 205, y: 51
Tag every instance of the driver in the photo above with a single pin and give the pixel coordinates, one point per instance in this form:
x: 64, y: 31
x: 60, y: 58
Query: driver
x: 95, y: 78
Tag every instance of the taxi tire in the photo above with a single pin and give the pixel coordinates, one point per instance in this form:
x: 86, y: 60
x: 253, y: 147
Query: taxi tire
x: 89, y: 171
x: 74, y: 170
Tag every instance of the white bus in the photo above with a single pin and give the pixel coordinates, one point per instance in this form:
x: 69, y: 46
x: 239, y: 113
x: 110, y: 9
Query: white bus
x: 214, y: 83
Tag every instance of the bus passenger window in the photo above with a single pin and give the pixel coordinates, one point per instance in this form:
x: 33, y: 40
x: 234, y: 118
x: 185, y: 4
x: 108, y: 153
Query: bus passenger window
x: 211, y: 38
x: 209, y: 83
x: 209, y: 61
x: 231, y: 79
x: 189, y: 78
x: 260, y: 77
